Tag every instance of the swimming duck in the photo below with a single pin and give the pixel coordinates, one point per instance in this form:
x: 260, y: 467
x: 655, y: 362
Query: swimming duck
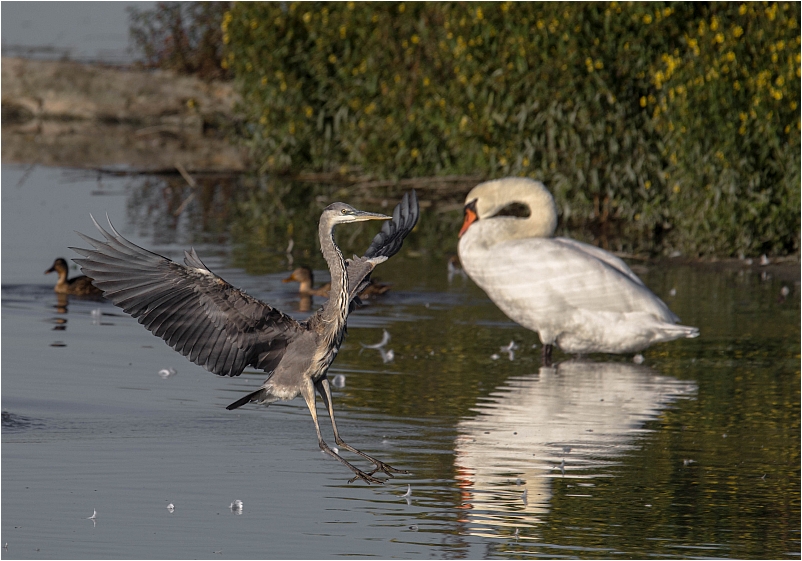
x: 575, y: 295
x: 77, y: 286
x: 306, y: 278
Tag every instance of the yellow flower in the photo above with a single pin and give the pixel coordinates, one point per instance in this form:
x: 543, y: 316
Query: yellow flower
x: 479, y: 15
x: 647, y: 19
x: 742, y: 9
x: 307, y: 17
x: 308, y: 111
x: 401, y: 8
x: 643, y: 101
x: 332, y: 59
x: 676, y: 187
x: 415, y: 39
x: 738, y: 31
x: 647, y: 184
x: 414, y: 152
x: 343, y: 31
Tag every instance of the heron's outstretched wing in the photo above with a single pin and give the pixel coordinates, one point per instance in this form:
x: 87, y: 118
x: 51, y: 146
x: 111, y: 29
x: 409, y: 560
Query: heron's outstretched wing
x: 385, y: 244
x: 196, y: 312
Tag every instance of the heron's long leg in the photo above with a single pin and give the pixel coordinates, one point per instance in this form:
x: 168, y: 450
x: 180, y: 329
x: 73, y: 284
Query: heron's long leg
x: 325, y: 393
x: 308, y: 391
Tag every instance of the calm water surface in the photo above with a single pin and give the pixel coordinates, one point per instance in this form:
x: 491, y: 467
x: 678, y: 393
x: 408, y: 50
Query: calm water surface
x: 694, y: 453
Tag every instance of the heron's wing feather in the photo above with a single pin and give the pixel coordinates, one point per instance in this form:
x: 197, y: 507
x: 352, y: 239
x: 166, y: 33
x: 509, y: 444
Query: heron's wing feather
x: 385, y: 244
x: 196, y: 312
x: 405, y: 215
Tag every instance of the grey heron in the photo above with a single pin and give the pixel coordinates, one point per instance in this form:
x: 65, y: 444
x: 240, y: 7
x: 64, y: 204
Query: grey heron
x: 223, y: 329
x: 77, y: 286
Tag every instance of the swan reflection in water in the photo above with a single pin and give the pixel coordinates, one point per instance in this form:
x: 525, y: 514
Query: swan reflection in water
x: 570, y: 420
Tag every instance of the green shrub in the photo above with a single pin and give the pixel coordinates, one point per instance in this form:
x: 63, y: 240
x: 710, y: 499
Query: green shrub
x: 565, y: 93
x: 727, y: 106
x: 185, y: 37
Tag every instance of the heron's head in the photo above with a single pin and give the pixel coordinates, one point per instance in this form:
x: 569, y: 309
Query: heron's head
x: 341, y: 213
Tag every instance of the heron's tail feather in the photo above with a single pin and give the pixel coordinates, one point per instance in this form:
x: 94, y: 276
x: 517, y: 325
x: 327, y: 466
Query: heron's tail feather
x: 258, y: 395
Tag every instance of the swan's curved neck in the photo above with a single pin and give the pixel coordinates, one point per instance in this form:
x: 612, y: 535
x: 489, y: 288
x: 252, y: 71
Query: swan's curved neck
x: 540, y: 223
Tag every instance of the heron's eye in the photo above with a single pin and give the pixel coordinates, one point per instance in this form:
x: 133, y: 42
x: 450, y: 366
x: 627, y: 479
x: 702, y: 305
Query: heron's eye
x: 345, y: 211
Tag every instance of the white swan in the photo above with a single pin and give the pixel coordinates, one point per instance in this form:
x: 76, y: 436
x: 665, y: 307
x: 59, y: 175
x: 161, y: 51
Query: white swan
x: 573, y: 294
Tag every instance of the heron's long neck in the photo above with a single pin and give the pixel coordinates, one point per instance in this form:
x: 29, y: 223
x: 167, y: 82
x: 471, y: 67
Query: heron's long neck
x: 336, y: 309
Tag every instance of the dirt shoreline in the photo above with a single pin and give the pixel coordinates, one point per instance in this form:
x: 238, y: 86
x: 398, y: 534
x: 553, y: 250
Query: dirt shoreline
x: 68, y: 114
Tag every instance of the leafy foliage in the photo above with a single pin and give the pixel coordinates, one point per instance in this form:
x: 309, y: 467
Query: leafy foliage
x: 181, y: 36
x: 629, y: 113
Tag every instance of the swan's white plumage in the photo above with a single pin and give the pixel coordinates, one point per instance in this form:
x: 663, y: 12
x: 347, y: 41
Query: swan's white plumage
x: 576, y: 295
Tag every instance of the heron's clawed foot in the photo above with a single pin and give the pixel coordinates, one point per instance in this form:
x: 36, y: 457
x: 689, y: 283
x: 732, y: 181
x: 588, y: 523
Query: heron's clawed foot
x: 386, y: 468
x: 366, y: 477
x: 380, y: 466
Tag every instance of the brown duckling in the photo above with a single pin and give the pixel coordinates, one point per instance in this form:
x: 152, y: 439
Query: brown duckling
x: 77, y: 286
x: 305, y: 277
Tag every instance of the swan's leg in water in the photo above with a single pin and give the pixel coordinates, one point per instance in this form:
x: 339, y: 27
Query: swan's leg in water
x: 545, y: 354
x: 325, y: 392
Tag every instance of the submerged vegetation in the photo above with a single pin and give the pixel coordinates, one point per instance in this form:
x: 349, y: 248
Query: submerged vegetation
x: 673, y: 126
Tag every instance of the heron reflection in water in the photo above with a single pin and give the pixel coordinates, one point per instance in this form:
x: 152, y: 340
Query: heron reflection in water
x: 223, y: 329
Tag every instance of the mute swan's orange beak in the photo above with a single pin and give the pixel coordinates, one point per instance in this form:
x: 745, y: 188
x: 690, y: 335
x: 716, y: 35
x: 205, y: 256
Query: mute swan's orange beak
x: 470, y: 218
